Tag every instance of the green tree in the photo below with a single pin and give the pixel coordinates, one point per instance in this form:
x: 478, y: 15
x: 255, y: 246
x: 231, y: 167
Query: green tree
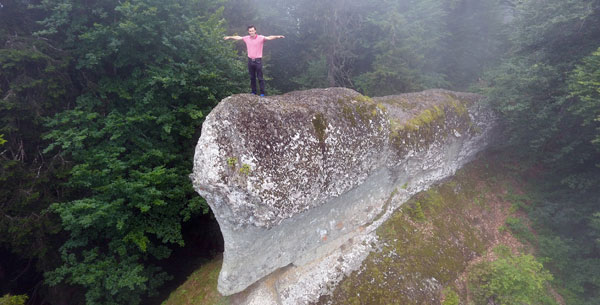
x: 595, y: 224
x: 475, y: 39
x: 151, y: 70
x: 544, y: 93
x: 530, y: 88
x: 328, y: 39
x: 406, y: 43
x: 35, y: 83
x: 510, y: 280
x: 584, y: 88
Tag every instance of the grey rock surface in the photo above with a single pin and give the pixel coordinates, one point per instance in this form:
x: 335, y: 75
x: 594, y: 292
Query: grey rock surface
x: 292, y: 178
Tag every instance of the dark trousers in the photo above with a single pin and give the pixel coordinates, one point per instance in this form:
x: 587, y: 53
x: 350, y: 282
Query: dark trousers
x: 255, y: 70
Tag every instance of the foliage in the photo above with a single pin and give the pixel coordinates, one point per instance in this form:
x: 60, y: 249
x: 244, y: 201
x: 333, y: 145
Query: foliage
x: 595, y: 226
x: 566, y: 224
x: 35, y: 83
x: 519, y: 229
x: 245, y: 169
x: 545, y: 91
x: 36, y: 80
x: 151, y: 71
x: 416, y: 211
x: 323, y: 38
x: 13, y: 299
x: 475, y: 40
x: 584, y: 87
x: 510, y: 279
x: 530, y: 90
x: 315, y: 75
x: 408, y: 35
x: 529, y: 117
x: 450, y: 297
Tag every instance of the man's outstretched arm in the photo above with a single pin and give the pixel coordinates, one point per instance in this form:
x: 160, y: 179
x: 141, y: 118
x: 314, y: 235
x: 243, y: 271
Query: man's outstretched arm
x: 274, y: 37
x: 233, y: 37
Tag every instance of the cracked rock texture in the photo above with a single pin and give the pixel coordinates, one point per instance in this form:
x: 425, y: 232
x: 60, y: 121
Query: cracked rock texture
x: 294, y: 178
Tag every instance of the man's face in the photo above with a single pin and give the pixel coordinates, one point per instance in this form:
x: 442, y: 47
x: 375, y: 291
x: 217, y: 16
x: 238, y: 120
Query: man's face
x: 252, y: 32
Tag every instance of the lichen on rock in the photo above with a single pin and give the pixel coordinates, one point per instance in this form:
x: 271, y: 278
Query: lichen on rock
x: 292, y: 177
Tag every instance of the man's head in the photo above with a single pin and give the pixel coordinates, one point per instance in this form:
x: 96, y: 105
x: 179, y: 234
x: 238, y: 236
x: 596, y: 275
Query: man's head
x: 252, y: 31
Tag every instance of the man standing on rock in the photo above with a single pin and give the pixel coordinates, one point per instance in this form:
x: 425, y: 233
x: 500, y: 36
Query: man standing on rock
x: 254, y: 45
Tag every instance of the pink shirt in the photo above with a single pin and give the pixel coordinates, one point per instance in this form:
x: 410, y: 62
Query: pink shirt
x: 254, y: 45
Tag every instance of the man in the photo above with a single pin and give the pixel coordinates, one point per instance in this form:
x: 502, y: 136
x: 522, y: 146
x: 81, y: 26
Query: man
x: 254, y: 46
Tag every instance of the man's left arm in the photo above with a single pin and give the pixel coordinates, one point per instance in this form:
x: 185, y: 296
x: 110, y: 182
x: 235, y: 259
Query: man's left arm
x: 273, y: 37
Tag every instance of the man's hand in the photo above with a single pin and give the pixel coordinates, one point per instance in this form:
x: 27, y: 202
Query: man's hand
x: 274, y: 37
x: 233, y: 37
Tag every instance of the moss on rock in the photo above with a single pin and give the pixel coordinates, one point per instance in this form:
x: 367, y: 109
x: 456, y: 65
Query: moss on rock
x: 431, y: 124
x: 320, y: 124
x: 417, y: 259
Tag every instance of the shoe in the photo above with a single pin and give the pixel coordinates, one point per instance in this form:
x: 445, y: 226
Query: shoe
x: 253, y: 93
x: 262, y: 95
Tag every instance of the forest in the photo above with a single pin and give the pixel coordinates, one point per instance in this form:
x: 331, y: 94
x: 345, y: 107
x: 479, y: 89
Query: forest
x: 102, y: 101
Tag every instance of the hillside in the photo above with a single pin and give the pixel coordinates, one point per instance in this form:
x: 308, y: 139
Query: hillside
x: 428, y: 250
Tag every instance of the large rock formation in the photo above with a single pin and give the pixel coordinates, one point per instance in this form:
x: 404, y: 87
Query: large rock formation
x: 291, y: 178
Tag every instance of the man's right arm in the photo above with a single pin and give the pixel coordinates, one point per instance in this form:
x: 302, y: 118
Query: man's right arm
x: 233, y: 37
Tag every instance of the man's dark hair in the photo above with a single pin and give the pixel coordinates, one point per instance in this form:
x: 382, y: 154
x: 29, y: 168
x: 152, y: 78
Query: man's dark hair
x: 251, y: 26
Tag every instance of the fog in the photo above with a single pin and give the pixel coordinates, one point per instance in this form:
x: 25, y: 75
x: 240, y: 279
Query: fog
x: 377, y: 47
